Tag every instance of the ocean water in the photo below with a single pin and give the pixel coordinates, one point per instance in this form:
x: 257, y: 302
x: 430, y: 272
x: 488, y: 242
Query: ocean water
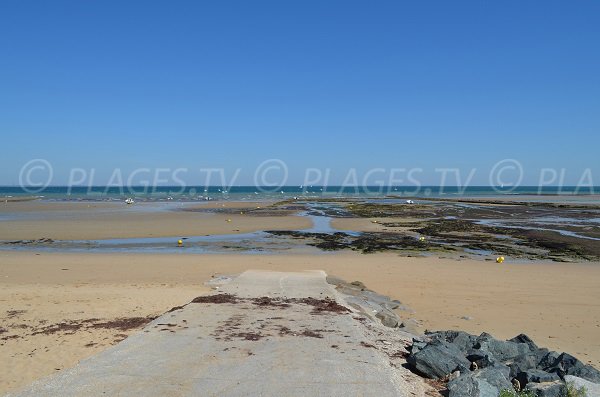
x: 234, y: 193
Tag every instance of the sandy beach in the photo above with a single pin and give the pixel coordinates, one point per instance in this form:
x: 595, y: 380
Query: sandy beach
x: 502, y: 299
x: 73, y: 221
x: 100, y: 296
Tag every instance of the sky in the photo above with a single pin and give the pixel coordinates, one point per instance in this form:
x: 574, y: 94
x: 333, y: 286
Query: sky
x: 327, y: 85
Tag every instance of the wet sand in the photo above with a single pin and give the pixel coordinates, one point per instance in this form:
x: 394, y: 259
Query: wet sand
x: 91, y: 221
x: 558, y: 305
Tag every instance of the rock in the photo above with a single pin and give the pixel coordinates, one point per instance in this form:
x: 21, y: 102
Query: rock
x: 540, y: 353
x: 494, y: 363
x: 467, y: 386
x: 576, y: 368
x: 548, y: 389
x: 566, y: 364
x: 417, y: 345
x: 496, y: 375
x: 395, y: 304
x: 548, y: 360
x: 592, y: 389
x: 501, y: 350
x: 388, y: 318
x: 359, y: 284
x: 522, y: 363
x: 482, y: 358
x: 438, y: 359
x: 486, y: 382
x: 462, y: 340
x: 522, y: 338
x: 412, y: 326
x: 535, y: 376
x: 380, y: 300
x: 334, y: 280
x: 404, y: 308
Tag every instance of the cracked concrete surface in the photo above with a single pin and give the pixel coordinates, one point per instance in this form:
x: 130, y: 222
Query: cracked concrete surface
x: 280, y: 346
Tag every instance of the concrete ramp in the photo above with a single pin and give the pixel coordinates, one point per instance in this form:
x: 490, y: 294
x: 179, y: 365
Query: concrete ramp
x: 260, y: 335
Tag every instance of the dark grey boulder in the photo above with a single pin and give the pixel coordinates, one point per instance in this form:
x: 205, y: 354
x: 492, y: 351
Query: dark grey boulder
x: 497, y: 363
x: 438, y: 359
x: 417, y: 345
x: 500, y: 350
x: 536, y: 376
x: 482, y: 358
x: 522, y: 363
x: 573, y: 366
x: 540, y: 353
x: 566, y: 364
x: 486, y: 382
x: 586, y: 372
x: 548, y: 389
x: 496, y: 375
x: 522, y: 338
x: 462, y: 340
x: 548, y: 360
x: 466, y: 386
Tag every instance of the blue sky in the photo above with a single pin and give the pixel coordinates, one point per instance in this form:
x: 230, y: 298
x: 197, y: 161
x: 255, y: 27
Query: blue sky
x: 317, y: 84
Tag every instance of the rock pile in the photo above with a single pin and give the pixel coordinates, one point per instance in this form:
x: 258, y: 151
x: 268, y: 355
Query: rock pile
x: 481, y: 366
x: 376, y: 307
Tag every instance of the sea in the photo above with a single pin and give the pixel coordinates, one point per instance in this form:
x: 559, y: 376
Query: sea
x: 587, y: 194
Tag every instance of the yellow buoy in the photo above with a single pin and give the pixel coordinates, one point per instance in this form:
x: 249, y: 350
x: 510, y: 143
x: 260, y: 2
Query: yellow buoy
x: 421, y: 238
x: 500, y: 259
x: 180, y: 242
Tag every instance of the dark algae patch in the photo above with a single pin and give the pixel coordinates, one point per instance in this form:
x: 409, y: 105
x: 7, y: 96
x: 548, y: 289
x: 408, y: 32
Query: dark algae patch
x: 311, y: 334
x: 248, y: 336
x: 319, y: 305
x: 219, y: 298
x: 175, y: 308
x: 14, y: 313
x: 367, y: 242
x: 536, y: 231
x: 323, y: 305
x: 267, y: 301
x: 72, y: 326
x: 123, y: 324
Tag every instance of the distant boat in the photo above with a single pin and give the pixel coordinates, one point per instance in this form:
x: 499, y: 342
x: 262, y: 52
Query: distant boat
x: 129, y: 201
